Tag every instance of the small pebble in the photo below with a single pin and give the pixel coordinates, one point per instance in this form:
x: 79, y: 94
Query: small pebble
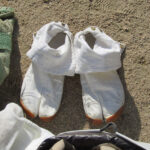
x: 45, y: 1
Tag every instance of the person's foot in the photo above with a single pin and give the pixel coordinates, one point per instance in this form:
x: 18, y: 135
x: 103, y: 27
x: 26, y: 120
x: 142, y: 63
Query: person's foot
x: 62, y: 145
x: 106, y: 146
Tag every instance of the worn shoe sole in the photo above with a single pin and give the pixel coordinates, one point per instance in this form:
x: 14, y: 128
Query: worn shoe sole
x: 28, y: 112
x: 115, y: 116
x: 47, y: 119
x: 95, y: 121
x: 112, y: 118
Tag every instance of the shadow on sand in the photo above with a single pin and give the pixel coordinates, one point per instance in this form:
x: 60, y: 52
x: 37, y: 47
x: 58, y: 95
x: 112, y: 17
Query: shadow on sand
x: 10, y: 89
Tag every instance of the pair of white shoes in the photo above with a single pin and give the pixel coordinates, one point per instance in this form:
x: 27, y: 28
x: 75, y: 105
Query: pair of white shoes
x: 92, y: 54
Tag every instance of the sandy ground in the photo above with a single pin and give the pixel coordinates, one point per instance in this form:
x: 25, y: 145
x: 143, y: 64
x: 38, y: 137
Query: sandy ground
x: 126, y: 21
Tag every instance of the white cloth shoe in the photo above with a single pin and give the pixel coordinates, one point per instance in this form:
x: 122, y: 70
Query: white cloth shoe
x: 41, y: 93
x: 18, y: 133
x: 52, y: 58
x: 97, y: 59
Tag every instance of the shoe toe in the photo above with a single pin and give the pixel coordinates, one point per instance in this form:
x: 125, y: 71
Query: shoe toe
x: 30, y: 105
x: 48, y: 108
x: 47, y: 111
x: 110, y: 117
x: 93, y: 111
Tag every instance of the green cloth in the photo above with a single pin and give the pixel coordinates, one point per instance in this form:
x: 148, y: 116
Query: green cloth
x: 6, y: 12
x: 6, y: 31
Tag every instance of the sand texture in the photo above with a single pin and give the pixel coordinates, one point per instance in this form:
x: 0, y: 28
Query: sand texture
x: 127, y: 21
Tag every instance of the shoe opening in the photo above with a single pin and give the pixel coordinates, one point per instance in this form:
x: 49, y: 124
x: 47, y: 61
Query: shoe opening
x: 99, y: 43
x: 58, y: 40
x: 90, y: 39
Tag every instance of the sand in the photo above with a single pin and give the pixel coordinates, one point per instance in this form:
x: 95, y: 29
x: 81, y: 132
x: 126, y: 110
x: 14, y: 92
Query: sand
x: 126, y: 21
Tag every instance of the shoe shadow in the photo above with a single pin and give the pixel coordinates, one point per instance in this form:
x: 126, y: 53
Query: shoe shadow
x: 129, y: 123
x: 10, y: 88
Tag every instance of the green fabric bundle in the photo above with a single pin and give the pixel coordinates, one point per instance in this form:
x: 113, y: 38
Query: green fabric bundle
x: 6, y: 31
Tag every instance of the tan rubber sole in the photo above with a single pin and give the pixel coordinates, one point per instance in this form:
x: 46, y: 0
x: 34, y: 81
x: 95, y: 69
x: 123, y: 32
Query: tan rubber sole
x: 47, y: 119
x: 28, y: 112
x: 95, y: 121
x: 115, y: 116
x: 109, y: 119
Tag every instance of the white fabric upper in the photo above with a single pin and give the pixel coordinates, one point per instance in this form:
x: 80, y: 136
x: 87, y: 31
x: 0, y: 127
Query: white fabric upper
x: 58, y: 60
x: 105, y: 56
x: 67, y: 60
x: 41, y: 92
x: 18, y: 133
x: 103, y: 94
